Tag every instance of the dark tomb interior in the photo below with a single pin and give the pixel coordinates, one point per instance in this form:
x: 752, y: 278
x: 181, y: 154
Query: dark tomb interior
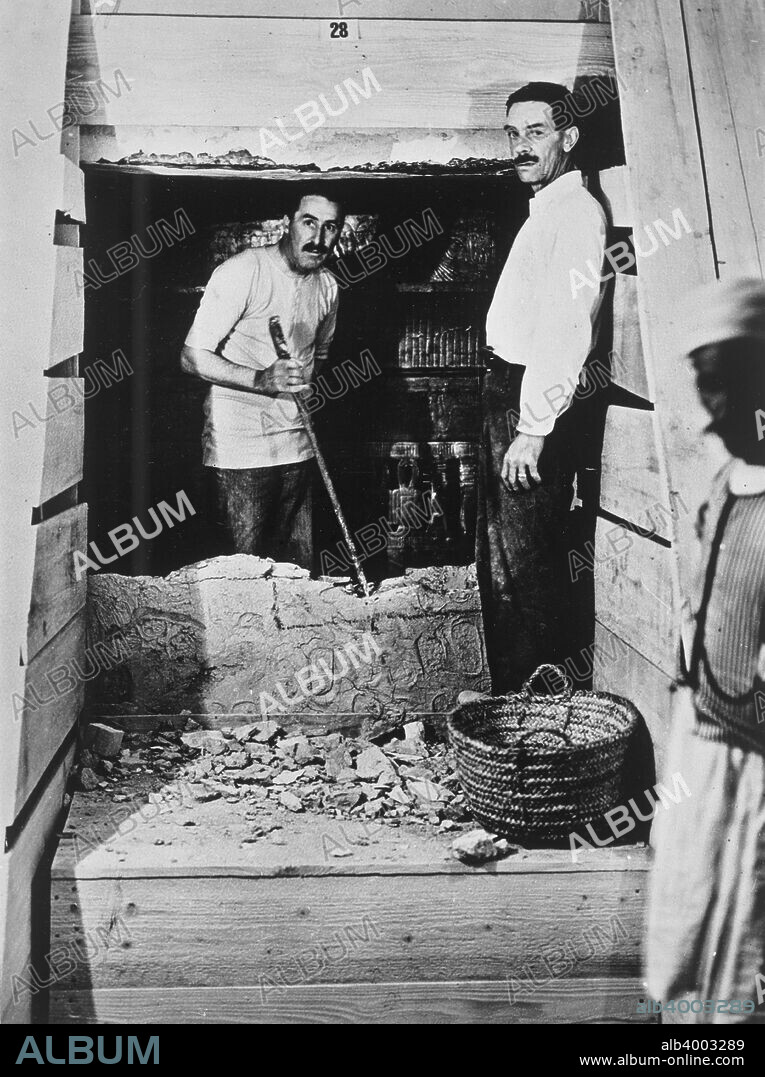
x: 397, y: 405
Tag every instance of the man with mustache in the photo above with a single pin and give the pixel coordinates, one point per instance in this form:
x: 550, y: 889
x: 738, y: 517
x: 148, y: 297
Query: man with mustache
x: 253, y: 436
x: 539, y: 337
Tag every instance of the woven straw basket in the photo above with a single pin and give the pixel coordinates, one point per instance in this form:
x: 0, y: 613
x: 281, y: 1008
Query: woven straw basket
x: 539, y: 766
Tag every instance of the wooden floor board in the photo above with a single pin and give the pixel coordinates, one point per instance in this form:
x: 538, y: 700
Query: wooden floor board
x: 591, y: 1001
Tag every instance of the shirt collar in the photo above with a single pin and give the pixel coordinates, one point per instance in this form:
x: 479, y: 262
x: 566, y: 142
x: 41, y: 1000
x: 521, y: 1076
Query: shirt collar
x: 281, y: 263
x: 556, y: 190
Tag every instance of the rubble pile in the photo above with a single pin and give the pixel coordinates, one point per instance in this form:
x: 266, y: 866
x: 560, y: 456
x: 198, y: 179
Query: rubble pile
x: 410, y: 777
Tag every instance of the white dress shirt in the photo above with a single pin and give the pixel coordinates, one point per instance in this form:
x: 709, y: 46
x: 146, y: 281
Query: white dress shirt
x: 537, y: 320
x: 251, y: 430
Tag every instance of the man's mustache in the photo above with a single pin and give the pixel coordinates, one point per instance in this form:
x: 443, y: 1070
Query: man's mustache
x: 313, y: 249
x: 525, y: 160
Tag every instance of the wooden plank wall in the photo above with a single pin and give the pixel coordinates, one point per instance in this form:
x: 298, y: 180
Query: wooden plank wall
x: 703, y: 59
x: 403, y: 10
x: 42, y: 610
x: 725, y: 44
x: 155, y: 88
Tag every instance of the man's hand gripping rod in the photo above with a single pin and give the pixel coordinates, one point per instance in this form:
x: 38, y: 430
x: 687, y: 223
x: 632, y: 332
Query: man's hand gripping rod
x: 280, y: 344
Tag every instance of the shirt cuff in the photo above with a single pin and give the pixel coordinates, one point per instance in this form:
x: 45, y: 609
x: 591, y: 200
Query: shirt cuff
x: 540, y: 418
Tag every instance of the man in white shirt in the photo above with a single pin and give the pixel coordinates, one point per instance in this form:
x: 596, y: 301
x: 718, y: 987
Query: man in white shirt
x: 253, y: 435
x: 541, y: 333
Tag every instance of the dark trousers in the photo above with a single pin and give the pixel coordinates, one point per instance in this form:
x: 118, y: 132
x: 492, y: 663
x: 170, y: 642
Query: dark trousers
x: 267, y: 511
x: 523, y: 541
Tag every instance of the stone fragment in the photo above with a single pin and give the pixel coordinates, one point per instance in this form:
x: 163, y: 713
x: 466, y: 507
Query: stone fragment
x: 289, y: 801
x: 203, y: 793
x: 287, y: 777
x: 266, y: 731
x: 338, y: 760
x: 475, y: 847
x: 211, y: 741
x: 261, y: 752
x: 284, y: 570
x: 345, y: 798
x: 504, y: 848
x: 373, y: 763
x: 237, y: 761
x: 306, y: 753
x: 88, y: 758
x: 469, y: 696
x: 88, y: 779
x: 102, y: 739
x: 243, y: 733
x: 253, y: 773
x: 400, y: 797
x: 426, y: 791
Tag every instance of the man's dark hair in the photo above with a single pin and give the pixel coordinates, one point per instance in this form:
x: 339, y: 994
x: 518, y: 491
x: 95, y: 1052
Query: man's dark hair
x: 317, y: 191
x: 549, y: 92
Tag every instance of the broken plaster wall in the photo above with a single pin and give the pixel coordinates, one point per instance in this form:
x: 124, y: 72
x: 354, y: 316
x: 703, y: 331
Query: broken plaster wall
x: 216, y: 636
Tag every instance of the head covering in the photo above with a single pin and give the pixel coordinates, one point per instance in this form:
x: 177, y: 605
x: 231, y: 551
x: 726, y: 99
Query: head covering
x: 725, y: 310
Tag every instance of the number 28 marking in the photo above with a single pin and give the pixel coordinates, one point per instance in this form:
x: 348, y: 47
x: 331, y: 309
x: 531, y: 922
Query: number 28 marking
x: 338, y: 29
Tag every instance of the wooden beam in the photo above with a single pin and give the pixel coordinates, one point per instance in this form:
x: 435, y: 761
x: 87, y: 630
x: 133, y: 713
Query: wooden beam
x: 631, y: 484
x: 68, y: 320
x: 30, y: 181
x: 121, y: 74
x: 64, y: 436
x: 621, y: 668
x: 24, y: 894
x: 57, y: 596
x: 628, y: 367
x: 73, y: 200
x: 405, y: 10
x: 649, y: 47
x: 46, y: 717
x: 494, y: 1002
x: 415, y: 927
x: 614, y: 185
x: 70, y: 143
x: 725, y: 44
x: 633, y: 592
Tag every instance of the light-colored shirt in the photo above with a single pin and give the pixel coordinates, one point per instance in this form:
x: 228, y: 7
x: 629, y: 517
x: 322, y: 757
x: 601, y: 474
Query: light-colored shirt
x: 536, y: 319
x: 250, y: 430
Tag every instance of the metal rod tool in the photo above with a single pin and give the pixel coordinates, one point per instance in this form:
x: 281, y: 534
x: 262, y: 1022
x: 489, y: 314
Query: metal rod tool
x: 280, y: 344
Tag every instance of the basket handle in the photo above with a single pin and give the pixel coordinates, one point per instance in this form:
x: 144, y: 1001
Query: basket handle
x: 560, y: 672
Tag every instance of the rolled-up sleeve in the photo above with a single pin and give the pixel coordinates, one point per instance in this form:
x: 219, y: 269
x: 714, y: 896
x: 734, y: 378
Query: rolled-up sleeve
x: 563, y: 328
x: 223, y: 304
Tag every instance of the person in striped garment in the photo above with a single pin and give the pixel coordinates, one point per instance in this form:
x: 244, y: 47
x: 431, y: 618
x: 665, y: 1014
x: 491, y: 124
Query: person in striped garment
x: 706, y: 925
